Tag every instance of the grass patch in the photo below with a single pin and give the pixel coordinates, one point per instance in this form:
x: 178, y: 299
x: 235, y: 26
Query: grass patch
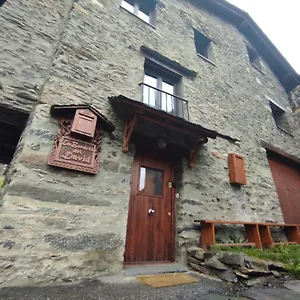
x: 287, y: 254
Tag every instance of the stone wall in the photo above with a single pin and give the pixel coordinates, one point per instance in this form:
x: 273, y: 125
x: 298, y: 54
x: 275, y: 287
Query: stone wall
x: 29, y: 36
x: 68, y: 225
x: 294, y: 97
x: 3, y: 168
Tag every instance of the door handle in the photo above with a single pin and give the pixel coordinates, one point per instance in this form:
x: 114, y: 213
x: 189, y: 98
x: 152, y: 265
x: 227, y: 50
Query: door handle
x: 151, y: 211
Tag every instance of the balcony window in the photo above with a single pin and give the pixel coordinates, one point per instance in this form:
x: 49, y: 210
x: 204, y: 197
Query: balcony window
x: 144, y: 9
x: 160, y: 92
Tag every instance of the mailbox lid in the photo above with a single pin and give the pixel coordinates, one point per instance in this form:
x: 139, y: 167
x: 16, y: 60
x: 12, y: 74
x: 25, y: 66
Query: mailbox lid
x: 84, y: 123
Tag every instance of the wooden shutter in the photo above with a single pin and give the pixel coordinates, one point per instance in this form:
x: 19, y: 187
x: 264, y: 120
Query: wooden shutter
x: 84, y: 123
x: 237, y: 169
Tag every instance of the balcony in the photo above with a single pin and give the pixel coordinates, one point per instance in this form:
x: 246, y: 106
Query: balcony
x: 164, y: 101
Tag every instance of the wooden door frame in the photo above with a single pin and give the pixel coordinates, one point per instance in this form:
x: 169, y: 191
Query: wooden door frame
x: 133, y: 187
x: 275, y: 157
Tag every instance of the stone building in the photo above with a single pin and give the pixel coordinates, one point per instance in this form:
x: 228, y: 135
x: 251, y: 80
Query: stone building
x: 159, y: 93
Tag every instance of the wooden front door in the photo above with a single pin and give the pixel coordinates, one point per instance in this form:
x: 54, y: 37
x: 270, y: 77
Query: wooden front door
x: 150, y: 227
x: 287, y: 181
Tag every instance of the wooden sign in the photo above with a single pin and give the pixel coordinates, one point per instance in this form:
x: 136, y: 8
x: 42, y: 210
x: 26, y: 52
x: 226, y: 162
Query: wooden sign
x: 78, y: 141
x: 74, y: 154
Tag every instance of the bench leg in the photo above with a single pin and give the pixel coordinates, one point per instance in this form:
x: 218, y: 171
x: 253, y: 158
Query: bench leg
x: 207, y: 235
x: 266, y: 237
x: 292, y: 233
x: 252, y: 234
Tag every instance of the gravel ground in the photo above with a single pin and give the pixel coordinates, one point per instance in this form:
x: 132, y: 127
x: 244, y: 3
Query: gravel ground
x: 122, y: 288
x: 88, y: 290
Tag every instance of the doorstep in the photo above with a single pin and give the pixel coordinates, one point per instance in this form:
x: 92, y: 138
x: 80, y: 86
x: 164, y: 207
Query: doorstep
x: 137, y: 270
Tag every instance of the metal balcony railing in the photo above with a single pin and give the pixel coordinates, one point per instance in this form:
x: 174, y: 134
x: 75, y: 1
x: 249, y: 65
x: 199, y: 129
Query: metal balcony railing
x: 167, y: 102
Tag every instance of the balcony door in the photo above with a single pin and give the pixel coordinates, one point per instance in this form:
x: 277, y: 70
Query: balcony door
x: 159, y: 93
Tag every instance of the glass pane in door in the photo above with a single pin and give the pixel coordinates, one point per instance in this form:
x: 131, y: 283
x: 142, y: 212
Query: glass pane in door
x: 167, y: 101
x: 149, y: 93
x: 151, y: 181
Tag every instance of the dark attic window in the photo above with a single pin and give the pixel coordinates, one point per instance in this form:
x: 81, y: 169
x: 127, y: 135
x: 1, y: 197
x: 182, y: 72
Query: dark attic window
x: 203, y: 46
x: 280, y: 117
x: 254, y: 58
x: 143, y: 9
x: 12, y: 124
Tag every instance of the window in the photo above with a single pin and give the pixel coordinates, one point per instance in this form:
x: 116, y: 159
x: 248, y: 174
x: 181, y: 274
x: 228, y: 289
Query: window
x: 280, y: 117
x: 254, y: 58
x: 159, y: 89
x: 12, y: 124
x: 144, y: 9
x: 203, y: 46
x: 151, y: 181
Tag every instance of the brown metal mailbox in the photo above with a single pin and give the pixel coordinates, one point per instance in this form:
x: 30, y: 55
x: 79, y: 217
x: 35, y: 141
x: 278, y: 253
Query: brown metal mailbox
x: 84, y: 123
x: 237, y: 169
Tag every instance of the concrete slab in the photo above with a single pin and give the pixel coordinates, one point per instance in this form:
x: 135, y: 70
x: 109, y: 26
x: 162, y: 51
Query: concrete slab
x: 270, y: 294
x: 293, y: 285
x: 154, y: 269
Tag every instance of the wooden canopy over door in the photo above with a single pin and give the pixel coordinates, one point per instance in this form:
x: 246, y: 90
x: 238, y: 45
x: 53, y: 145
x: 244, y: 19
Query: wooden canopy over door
x: 286, y: 174
x: 150, y: 228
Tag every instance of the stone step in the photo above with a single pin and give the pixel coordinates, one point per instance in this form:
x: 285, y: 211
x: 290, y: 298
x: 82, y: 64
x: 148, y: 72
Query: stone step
x: 154, y: 269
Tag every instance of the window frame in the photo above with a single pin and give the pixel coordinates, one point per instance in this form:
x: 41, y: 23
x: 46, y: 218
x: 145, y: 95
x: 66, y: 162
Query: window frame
x: 136, y: 10
x: 278, y: 113
x: 164, y: 75
x: 206, y: 44
x: 254, y: 59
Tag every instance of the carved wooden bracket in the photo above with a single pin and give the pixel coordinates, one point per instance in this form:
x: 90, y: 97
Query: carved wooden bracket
x: 129, y: 126
x: 193, y: 151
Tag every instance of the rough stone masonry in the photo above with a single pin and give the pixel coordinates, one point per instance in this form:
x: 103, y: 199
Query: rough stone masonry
x: 62, y: 225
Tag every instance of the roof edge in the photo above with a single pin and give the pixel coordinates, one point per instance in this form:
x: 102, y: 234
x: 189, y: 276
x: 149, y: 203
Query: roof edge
x: 285, y: 73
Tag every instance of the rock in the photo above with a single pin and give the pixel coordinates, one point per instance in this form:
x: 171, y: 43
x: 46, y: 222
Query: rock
x: 258, y: 264
x: 254, y: 271
x: 8, y: 244
x: 227, y: 275
x: 1, y: 86
x: 240, y: 274
x: 200, y: 255
x: 293, y: 285
x: 277, y: 266
x: 196, y: 252
x: 276, y: 273
x: 215, y: 263
x: 5, y: 265
x: 27, y: 96
x: 109, y: 165
x: 84, y: 241
x: 256, y: 281
x: 208, y: 255
x: 200, y: 269
x: 234, y: 259
x: 8, y: 227
x: 194, y: 261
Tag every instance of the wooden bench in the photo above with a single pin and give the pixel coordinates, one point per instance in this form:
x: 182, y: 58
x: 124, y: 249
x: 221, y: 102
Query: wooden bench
x: 258, y: 234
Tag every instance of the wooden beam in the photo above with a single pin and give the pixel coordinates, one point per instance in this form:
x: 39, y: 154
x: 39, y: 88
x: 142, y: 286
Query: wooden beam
x: 193, y: 151
x: 129, y: 126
